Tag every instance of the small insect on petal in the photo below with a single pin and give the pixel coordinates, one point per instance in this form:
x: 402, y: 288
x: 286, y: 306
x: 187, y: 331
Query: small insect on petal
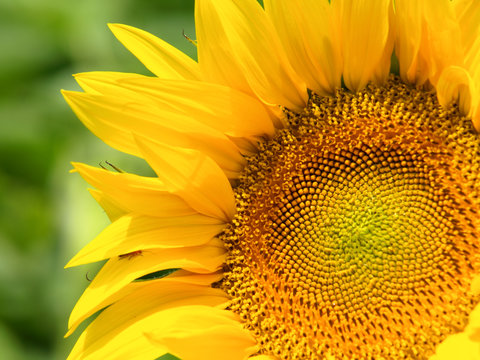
x: 130, y: 255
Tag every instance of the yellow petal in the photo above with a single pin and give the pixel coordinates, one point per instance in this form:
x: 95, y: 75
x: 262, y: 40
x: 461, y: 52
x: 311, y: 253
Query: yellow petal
x: 193, y: 176
x: 468, y: 18
x: 135, y: 193
x: 407, y: 40
x: 119, y: 331
x: 225, y: 109
x: 427, y: 39
x: 382, y: 70
x: 111, y: 119
x: 118, y: 273
x: 310, y: 34
x: 238, y: 47
x: 158, y: 56
x: 365, y: 34
x: 473, y: 327
x: 476, y: 117
x: 456, y: 83
x: 175, y: 280
x: 112, y: 209
x: 464, y: 345
x: 134, y: 232
x: 105, y: 82
x: 209, y: 336
x: 457, y: 346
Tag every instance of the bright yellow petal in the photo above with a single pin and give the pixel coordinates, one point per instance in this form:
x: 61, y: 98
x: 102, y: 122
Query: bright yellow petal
x: 382, y: 70
x: 220, y: 107
x: 158, y: 56
x: 193, y: 176
x: 427, y: 39
x: 464, y: 345
x: 138, y: 194
x: 134, y: 232
x: 112, y: 209
x: 238, y: 47
x: 476, y: 117
x: 241, y: 117
x: 118, y: 273
x: 82, y: 312
x: 111, y: 119
x: 365, y: 39
x: 176, y: 280
x: 456, y: 83
x: 310, y: 34
x: 468, y: 18
x: 206, y: 337
x: 119, y: 332
x: 457, y: 346
x: 106, y: 82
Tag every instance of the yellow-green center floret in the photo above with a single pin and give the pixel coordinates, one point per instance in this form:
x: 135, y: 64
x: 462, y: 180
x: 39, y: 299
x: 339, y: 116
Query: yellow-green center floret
x: 357, y: 227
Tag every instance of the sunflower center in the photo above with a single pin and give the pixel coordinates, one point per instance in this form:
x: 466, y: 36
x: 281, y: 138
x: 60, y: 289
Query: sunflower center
x: 356, y: 229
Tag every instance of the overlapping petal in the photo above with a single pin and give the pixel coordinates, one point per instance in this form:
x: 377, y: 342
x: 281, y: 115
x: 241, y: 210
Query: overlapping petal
x: 137, y: 194
x: 176, y: 278
x: 123, y: 330
x: 112, y: 209
x: 468, y: 18
x: 239, y: 47
x: 203, y: 328
x: 456, y: 84
x: 222, y: 108
x: 193, y: 176
x: 106, y: 82
x: 310, y: 33
x: 427, y: 39
x: 111, y: 117
x: 366, y: 40
x: 119, y: 272
x: 134, y: 232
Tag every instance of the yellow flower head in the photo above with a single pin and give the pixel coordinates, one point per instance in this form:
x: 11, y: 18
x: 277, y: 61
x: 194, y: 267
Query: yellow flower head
x: 308, y: 204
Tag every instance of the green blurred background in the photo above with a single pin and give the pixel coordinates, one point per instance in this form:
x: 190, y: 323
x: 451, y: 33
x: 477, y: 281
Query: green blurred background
x: 46, y: 214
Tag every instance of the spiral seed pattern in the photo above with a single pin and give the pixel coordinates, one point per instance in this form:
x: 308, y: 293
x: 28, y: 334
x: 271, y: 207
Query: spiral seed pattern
x: 356, y: 234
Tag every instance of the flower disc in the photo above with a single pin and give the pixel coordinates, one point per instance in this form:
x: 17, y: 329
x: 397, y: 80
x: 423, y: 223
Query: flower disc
x: 356, y: 232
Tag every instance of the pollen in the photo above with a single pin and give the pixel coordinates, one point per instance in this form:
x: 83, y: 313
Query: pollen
x: 357, y: 227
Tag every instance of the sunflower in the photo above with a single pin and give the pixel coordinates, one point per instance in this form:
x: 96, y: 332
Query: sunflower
x: 309, y: 202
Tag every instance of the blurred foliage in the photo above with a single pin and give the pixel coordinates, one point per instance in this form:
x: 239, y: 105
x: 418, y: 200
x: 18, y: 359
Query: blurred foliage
x: 46, y: 214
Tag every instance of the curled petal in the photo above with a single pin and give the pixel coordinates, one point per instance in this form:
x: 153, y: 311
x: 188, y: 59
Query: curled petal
x: 455, y: 83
